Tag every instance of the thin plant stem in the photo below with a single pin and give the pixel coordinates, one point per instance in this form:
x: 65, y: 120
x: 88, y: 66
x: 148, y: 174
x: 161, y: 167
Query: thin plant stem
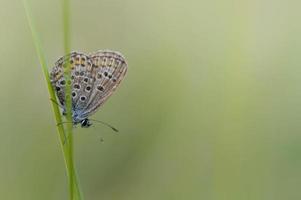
x: 66, y: 38
x: 66, y: 144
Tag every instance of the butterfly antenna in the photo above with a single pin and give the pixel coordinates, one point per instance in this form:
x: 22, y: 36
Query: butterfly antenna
x: 106, y: 124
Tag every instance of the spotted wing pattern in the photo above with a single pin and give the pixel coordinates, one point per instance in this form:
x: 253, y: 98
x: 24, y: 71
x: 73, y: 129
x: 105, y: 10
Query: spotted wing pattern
x: 110, y: 68
x: 80, y: 65
x: 94, y: 78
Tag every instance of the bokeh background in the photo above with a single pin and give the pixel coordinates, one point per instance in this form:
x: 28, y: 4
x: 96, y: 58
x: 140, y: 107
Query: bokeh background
x: 210, y: 108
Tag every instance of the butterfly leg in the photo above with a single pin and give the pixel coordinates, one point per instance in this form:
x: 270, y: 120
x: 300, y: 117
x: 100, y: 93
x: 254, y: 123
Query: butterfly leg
x: 55, y: 102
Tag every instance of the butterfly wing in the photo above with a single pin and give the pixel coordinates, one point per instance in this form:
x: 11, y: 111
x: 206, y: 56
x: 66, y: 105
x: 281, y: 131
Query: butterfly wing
x: 94, y: 78
x: 109, y: 69
x: 80, y: 65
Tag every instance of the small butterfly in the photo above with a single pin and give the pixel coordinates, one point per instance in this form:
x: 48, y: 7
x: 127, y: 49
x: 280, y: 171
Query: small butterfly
x: 94, y: 78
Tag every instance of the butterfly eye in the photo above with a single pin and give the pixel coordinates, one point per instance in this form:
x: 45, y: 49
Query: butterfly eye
x: 57, y: 88
x: 86, y: 80
x: 73, y: 94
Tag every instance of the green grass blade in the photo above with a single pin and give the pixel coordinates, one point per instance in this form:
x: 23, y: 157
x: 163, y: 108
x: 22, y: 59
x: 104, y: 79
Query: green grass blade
x: 66, y: 145
x: 74, y: 191
x: 43, y: 63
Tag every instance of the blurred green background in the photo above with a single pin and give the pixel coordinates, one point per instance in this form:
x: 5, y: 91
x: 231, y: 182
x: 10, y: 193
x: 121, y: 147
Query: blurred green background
x: 210, y: 108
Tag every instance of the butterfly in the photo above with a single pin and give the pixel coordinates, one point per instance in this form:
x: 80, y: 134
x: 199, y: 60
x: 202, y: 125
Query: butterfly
x: 94, y: 78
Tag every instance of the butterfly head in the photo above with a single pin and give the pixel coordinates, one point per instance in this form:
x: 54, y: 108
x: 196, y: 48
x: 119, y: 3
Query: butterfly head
x: 85, y: 123
x: 77, y: 119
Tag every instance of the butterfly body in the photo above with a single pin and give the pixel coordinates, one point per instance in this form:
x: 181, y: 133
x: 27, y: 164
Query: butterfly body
x: 77, y: 119
x: 94, y: 77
